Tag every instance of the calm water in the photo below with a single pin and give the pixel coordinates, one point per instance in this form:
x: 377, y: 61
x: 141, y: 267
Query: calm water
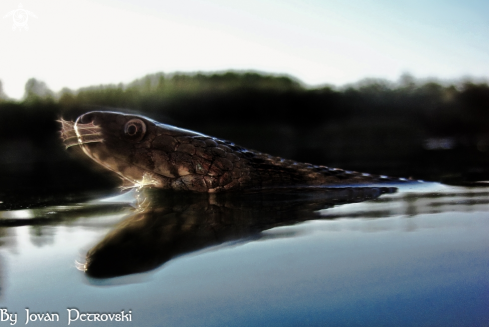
x: 416, y: 256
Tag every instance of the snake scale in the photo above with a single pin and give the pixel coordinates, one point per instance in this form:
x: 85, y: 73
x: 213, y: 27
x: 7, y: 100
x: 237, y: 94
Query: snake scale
x: 145, y: 152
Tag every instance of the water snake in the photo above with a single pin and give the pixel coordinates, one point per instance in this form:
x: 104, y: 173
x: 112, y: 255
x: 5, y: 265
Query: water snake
x: 145, y: 152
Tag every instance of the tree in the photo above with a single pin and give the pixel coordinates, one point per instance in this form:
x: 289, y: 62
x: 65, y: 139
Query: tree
x: 37, y: 90
x: 3, y: 96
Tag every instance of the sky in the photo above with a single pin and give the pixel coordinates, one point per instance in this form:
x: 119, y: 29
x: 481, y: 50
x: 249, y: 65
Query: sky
x: 78, y: 43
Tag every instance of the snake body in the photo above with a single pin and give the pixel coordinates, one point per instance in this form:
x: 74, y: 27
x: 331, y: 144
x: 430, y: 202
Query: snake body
x: 144, y: 152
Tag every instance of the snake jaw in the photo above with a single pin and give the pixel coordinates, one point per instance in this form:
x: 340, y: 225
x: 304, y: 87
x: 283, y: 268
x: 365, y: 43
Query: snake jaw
x: 74, y: 133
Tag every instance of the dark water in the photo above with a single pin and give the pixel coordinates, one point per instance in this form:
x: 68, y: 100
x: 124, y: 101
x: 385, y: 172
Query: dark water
x: 414, y: 255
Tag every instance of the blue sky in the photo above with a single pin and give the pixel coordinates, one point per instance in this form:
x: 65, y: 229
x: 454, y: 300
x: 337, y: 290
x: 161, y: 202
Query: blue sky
x: 76, y: 43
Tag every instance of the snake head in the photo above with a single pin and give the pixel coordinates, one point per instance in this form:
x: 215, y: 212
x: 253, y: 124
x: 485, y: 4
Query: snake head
x: 138, y: 149
x: 117, y: 142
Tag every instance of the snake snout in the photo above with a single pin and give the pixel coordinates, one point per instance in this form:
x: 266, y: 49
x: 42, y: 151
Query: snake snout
x: 86, y: 118
x: 80, y: 132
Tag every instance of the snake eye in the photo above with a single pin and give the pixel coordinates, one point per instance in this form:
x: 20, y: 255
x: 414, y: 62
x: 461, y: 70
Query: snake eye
x: 135, y: 129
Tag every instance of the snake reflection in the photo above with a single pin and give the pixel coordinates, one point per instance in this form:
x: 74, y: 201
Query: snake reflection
x: 169, y: 225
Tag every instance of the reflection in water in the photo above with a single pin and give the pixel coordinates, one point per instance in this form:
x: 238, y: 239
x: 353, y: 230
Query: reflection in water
x: 41, y: 235
x: 43, y: 222
x: 169, y: 224
x: 419, y: 254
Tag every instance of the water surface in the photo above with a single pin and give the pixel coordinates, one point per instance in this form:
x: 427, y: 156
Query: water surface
x: 411, y: 256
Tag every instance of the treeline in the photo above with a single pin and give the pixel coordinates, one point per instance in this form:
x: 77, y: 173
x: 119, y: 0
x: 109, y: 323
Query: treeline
x: 441, y: 109
x: 156, y: 88
x: 424, y: 129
